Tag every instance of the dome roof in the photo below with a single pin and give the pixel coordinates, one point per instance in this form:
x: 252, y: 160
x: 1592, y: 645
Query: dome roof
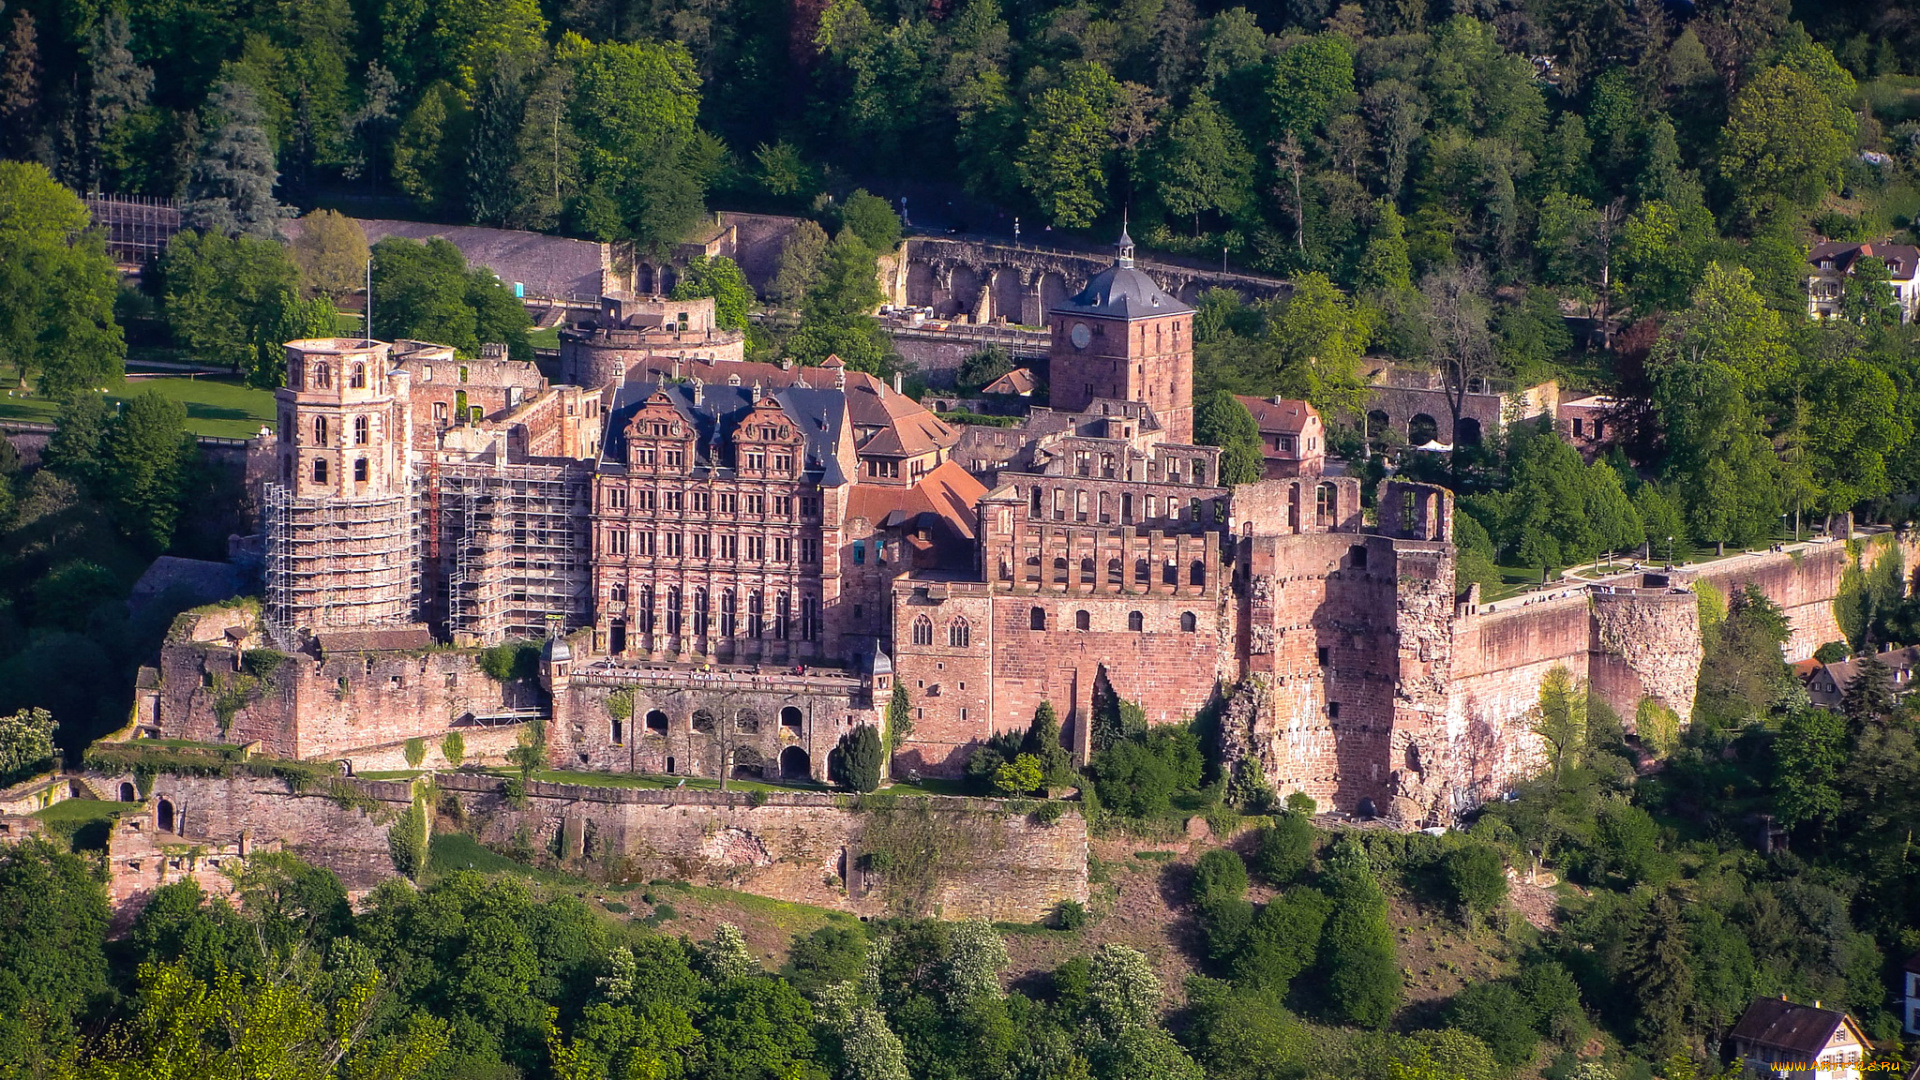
x: 1123, y: 292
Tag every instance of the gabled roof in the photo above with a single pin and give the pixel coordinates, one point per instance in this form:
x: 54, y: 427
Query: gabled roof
x: 1781, y: 1025
x: 1020, y: 381
x: 949, y: 492
x: 1285, y: 415
x: 1900, y: 258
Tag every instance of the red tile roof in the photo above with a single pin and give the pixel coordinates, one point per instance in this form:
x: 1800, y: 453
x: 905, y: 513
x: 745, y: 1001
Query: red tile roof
x: 1284, y: 415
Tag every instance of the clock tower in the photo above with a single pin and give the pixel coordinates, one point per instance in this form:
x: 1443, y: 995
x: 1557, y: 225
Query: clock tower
x: 1124, y: 338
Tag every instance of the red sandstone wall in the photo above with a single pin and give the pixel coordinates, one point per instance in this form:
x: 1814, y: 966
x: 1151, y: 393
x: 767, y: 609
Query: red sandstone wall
x: 349, y: 842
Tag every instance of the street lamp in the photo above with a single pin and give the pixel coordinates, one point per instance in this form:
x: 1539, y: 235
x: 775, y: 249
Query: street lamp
x: 1016, y: 232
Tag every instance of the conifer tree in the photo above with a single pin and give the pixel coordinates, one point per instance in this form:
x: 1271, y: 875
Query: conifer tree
x: 19, y: 87
x: 120, y: 87
x: 1658, y: 964
x: 231, y: 190
x: 1870, y: 693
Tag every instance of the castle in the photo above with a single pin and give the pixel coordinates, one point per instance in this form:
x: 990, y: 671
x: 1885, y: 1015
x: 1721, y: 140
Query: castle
x: 731, y: 564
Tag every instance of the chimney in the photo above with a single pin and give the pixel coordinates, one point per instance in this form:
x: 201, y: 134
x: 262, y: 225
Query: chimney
x: 786, y: 363
x: 676, y: 369
x: 896, y: 382
x: 698, y: 390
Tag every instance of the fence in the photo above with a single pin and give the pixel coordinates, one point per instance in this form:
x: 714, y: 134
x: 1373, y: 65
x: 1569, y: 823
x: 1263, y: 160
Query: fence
x: 138, y: 227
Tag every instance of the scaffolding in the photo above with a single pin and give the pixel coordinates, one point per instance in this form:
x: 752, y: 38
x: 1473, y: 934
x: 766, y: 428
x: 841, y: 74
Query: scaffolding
x: 521, y: 547
x: 332, y: 562
x: 137, y: 227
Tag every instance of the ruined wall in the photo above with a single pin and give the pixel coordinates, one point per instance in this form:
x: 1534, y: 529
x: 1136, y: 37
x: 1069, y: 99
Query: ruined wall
x: 690, y: 723
x: 329, y: 708
x: 1646, y: 643
x: 1320, y: 627
x: 810, y: 849
x: 214, y: 810
x: 1802, y: 583
x: 814, y: 849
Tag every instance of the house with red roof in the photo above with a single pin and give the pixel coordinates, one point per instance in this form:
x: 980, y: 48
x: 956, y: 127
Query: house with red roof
x: 1292, y: 438
x: 1834, y: 261
x: 1777, y: 1037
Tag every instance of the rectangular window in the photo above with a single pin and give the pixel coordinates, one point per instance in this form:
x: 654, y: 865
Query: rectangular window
x: 702, y: 545
x: 756, y: 461
x: 756, y: 547
x: 729, y: 547
x: 360, y: 470
x: 783, y: 506
x: 809, y: 552
x: 673, y: 457
x: 675, y: 501
x: 702, y: 502
x: 616, y: 498
x: 674, y: 542
x: 643, y: 455
x: 643, y: 544
x: 809, y: 507
x: 616, y: 542
x: 729, y: 502
x: 782, y: 549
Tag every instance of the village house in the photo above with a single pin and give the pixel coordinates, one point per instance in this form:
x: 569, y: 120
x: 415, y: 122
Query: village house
x: 1292, y: 439
x: 1827, y: 686
x: 1833, y: 261
x: 1777, y: 1037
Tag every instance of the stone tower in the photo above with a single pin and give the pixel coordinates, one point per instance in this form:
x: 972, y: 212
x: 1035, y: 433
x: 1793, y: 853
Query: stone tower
x: 1123, y: 337
x: 342, y: 548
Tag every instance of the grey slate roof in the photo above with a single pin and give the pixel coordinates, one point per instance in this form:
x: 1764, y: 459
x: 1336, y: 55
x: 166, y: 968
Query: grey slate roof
x: 1122, y: 291
x: 817, y: 413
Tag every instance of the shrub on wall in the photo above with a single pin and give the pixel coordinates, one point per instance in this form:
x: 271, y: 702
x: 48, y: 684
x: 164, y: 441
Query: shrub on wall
x: 454, y: 748
x: 511, y: 660
x: 416, y: 752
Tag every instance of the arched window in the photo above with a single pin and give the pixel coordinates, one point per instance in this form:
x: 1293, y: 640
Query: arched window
x: 358, y: 380
x: 1326, y: 505
x: 1189, y: 622
x: 1136, y: 622
x: 959, y: 634
x: 1115, y: 575
x: 1170, y: 573
x: 1086, y: 570
x: 756, y: 613
x: 362, y: 428
x: 646, y: 609
x: 673, y: 609
x: 617, y: 592
x: 1142, y: 572
x: 1006, y: 569
x: 922, y: 631
x: 1060, y: 570
x: 656, y: 722
x: 322, y: 376
x: 700, y: 612
x: 320, y: 431
x: 1197, y: 573
x: 1036, y: 618
x: 1083, y: 620
x: 1033, y: 568
x: 727, y: 612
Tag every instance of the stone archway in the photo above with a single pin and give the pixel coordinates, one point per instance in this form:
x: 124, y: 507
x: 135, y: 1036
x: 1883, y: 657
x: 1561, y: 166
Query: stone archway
x: 795, y: 764
x: 748, y: 764
x: 923, y: 285
x: 127, y: 793
x: 963, y: 292
x: 1006, y: 295
x: 164, y: 819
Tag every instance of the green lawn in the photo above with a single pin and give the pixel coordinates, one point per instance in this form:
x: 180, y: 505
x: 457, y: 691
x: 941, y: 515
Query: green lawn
x: 216, y: 404
x: 547, y: 338
x: 77, y: 812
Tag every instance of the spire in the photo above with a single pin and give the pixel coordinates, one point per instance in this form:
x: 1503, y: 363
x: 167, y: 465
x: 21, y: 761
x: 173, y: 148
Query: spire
x: 1126, y: 242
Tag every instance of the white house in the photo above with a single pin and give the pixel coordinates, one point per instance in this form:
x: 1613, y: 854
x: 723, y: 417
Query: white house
x: 1833, y: 260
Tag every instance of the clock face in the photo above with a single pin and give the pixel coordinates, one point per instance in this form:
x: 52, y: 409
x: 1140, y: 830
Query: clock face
x: 1080, y: 335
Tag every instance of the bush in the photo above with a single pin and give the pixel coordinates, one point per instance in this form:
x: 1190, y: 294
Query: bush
x: 1282, y: 941
x: 1553, y: 1001
x: 415, y: 751
x: 1476, y: 878
x: 1049, y: 812
x: 511, y: 660
x: 1219, y: 875
x: 1284, y: 850
x: 262, y: 663
x: 1070, y: 915
x: 1302, y: 803
x: 1496, y: 1014
x: 1357, y: 954
x: 454, y: 748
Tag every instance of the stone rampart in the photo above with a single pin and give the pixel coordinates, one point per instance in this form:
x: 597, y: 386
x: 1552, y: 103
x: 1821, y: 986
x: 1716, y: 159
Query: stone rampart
x: 942, y: 856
